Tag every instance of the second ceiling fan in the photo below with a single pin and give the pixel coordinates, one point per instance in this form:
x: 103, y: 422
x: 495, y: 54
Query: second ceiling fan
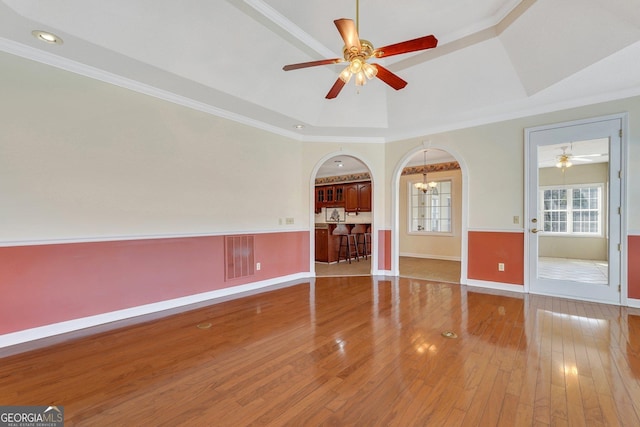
x: 357, y: 51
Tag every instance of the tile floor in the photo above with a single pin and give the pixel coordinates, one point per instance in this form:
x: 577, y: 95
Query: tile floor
x: 575, y: 270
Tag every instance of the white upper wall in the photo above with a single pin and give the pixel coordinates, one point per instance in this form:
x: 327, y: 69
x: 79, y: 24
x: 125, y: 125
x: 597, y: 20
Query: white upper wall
x: 494, y: 158
x: 85, y: 159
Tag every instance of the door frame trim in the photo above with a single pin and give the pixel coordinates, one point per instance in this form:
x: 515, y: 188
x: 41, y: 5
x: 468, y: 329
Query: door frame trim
x: 624, y: 122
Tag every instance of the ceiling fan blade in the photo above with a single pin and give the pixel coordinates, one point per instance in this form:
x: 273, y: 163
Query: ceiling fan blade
x: 349, y: 33
x: 389, y: 78
x: 421, y: 43
x: 335, y: 89
x: 589, y: 155
x: 312, y: 64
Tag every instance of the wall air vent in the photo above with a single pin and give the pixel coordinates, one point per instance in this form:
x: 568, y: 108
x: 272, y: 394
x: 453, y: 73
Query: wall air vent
x: 239, y: 256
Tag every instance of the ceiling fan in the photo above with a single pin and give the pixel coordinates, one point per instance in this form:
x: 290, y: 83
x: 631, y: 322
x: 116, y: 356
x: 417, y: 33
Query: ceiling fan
x: 566, y: 159
x: 357, y: 51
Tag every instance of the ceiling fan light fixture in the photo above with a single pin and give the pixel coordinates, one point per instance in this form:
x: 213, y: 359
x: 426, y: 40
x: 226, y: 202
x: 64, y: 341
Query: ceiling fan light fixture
x: 564, y: 162
x: 345, y: 75
x: 361, y: 79
x: 369, y: 70
x: 355, y: 66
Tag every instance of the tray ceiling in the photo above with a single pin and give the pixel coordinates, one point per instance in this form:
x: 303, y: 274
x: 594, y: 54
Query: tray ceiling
x: 497, y: 59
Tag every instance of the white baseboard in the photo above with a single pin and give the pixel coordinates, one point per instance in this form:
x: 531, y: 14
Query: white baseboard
x: 382, y: 273
x: 635, y: 303
x: 211, y: 297
x: 427, y: 256
x: 495, y: 285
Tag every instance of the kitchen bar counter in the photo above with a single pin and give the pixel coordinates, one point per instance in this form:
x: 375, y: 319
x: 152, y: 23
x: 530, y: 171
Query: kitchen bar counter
x: 328, y: 244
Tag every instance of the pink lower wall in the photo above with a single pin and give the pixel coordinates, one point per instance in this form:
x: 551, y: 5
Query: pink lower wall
x: 633, y: 270
x: 46, y: 284
x: 487, y: 249
x: 384, y: 249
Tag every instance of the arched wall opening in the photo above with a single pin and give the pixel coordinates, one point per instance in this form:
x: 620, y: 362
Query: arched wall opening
x: 400, y: 215
x: 327, y: 170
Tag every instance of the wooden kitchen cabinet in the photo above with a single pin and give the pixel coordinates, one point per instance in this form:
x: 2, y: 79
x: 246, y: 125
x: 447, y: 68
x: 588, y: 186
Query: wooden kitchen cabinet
x: 357, y: 197
x: 327, y: 245
x: 321, y: 193
x: 338, y: 195
x: 322, y: 242
x: 364, y: 196
x: 329, y: 196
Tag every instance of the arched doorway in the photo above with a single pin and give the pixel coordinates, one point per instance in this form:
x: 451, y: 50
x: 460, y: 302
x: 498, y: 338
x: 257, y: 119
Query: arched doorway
x: 429, y: 235
x: 342, y: 195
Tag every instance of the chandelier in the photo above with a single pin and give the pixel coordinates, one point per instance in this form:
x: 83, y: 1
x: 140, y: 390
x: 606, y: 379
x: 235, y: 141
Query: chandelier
x: 426, y: 186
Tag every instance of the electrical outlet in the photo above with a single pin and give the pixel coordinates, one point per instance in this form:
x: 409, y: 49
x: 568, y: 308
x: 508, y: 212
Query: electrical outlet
x: 258, y: 266
x: 279, y: 221
x: 501, y: 266
x: 516, y: 219
x: 289, y: 221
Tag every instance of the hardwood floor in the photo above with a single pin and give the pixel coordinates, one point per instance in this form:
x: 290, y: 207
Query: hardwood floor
x: 410, y: 267
x: 435, y: 270
x: 349, y: 351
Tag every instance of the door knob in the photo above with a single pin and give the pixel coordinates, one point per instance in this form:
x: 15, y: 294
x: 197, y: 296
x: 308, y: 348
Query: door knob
x: 534, y: 230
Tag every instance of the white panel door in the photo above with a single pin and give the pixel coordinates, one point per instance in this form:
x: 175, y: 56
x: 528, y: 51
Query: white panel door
x: 573, y: 223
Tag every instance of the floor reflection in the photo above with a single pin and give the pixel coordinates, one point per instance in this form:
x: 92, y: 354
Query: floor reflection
x: 633, y: 344
x: 502, y: 312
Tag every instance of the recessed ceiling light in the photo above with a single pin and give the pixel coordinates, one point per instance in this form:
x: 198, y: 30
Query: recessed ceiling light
x: 46, y: 37
x: 298, y: 126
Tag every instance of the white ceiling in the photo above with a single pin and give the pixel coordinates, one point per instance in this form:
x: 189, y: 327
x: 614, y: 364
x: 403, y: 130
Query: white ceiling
x: 579, y: 152
x: 341, y: 165
x: 497, y: 59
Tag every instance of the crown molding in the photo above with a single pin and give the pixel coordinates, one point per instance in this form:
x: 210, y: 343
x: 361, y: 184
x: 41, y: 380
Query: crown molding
x: 28, y: 52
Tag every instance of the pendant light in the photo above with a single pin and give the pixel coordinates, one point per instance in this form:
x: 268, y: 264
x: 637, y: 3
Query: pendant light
x: 426, y: 186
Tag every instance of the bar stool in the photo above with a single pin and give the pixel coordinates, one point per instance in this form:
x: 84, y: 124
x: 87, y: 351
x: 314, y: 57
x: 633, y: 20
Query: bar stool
x: 360, y: 231
x: 348, y: 242
x: 367, y: 241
